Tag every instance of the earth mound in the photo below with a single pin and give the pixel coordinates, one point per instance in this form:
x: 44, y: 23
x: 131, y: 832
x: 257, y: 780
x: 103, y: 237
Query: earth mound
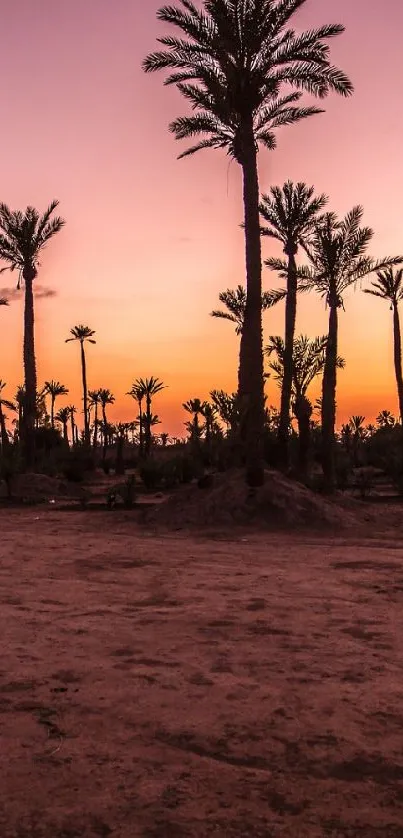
x: 281, y: 502
x: 37, y: 488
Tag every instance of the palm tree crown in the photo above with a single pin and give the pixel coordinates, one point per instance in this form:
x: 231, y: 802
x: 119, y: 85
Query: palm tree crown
x: 235, y: 60
x: 235, y: 302
x: 24, y: 235
x: 309, y: 360
x: 81, y: 333
x: 388, y: 286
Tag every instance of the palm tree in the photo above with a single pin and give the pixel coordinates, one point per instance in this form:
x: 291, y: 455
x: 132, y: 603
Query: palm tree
x: 55, y: 389
x: 226, y: 406
x: 164, y: 437
x: 196, y: 408
x: 105, y: 398
x: 5, y: 442
x: 82, y: 334
x: 385, y: 419
x: 389, y: 286
x: 63, y: 416
x: 309, y: 358
x: 338, y: 255
x: 94, y: 402
x: 23, y: 236
x: 235, y: 303
x: 150, y: 387
x: 236, y: 64
x: 291, y: 213
x: 138, y: 393
x: 72, y: 412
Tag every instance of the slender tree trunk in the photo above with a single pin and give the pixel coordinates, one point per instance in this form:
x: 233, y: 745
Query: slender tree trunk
x: 120, y: 465
x: 251, y: 382
x: 65, y: 434
x: 95, y: 442
x: 85, y: 395
x: 29, y: 370
x: 5, y: 442
x: 286, y: 389
x: 73, y: 434
x: 52, y: 411
x: 397, y: 343
x: 329, y: 402
x: 141, y: 427
x: 105, y: 434
x: 148, y: 426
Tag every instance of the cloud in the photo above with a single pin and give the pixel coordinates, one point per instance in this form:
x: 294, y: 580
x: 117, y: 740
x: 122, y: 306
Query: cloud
x: 41, y: 292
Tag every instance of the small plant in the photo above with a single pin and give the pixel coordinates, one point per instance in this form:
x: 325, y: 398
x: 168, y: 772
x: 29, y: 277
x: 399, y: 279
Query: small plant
x: 125, y: 491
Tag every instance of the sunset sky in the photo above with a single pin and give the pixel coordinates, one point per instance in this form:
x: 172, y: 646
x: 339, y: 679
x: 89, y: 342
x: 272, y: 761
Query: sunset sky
x: 150, y: 240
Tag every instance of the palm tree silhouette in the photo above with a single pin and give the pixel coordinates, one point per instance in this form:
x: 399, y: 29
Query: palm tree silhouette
x: 82, y: 334
x: 236, y: 64
x: 138, y: 393
x: 5, y: 442
x: 389, y: 286
x: 23, y: 236
x: 338, y: 255
x: 309, y: 358
x: 63, y: 416
x: 196, y: 408
x: 385, y: 419
x: 105, y: 398
x: 19, y: 400
x: 290, y: 213
x: 235, y: 302
x: 72, y: 412
x: 55, y: 389
x: 94, y: 402
x: 150, y: 386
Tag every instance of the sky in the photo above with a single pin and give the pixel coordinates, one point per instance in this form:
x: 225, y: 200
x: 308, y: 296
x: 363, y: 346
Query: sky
x: 149, y: 240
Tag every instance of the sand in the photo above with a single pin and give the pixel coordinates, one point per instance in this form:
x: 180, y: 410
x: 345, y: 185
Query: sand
x: 171, y: 686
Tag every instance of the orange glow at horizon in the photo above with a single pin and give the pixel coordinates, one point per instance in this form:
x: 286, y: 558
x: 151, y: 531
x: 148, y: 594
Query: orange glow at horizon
x: 149, y: 240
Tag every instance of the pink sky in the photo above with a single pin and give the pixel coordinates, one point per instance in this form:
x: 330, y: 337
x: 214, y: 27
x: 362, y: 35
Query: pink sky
x: 149, y: 240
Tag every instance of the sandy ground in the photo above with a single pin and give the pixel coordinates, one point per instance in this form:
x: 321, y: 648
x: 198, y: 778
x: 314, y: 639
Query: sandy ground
x: 175, y: 686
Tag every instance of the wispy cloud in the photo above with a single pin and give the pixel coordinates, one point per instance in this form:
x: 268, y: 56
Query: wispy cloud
x: 41, y: 292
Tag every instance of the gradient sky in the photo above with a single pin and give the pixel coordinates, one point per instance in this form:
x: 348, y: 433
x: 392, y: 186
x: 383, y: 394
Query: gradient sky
x: 149, y: 240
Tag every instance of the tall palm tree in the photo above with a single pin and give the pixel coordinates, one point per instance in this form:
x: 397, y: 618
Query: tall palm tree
x: 309, y: 358
x: 389, y: 286
x: 5, y: 442
x: 82, y: 334
x: 138, y: 393
x: 290, y: 213
x: 54, y: 389
x: 150, y: 386
x: 235, y: 62
x: 105, y: 398
x: 23, y: 236
x: 72, y: 412
x: 63, y: 416
x: 338, y: 255
x: 94, y: 402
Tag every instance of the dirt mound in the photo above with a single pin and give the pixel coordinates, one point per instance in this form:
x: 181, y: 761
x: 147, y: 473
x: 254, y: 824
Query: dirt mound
x: 279, y: 503
x: 35, y: 488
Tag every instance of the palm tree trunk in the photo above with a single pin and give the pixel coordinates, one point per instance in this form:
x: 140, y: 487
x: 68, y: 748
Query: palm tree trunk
x: 148, y: 426
x: 251, y: 383
x: 329, y: 403
x: 286, y: 389
x: 65, y: 434
x: 72, y: 430
x: 52, y: 411
x: 85, y: 395
x: 5, y: 442
x: 303, y: 413
x: 397, y: 344
x: 95, y: 441
x: 29, y: 371
x: 105, y: 434
x: 141, y: 426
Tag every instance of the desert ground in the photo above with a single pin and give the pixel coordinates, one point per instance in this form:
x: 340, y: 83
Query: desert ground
x: 172, y: 685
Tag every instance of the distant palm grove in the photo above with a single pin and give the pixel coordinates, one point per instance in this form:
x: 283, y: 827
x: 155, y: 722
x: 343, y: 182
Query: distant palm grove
x: 245, y: 73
